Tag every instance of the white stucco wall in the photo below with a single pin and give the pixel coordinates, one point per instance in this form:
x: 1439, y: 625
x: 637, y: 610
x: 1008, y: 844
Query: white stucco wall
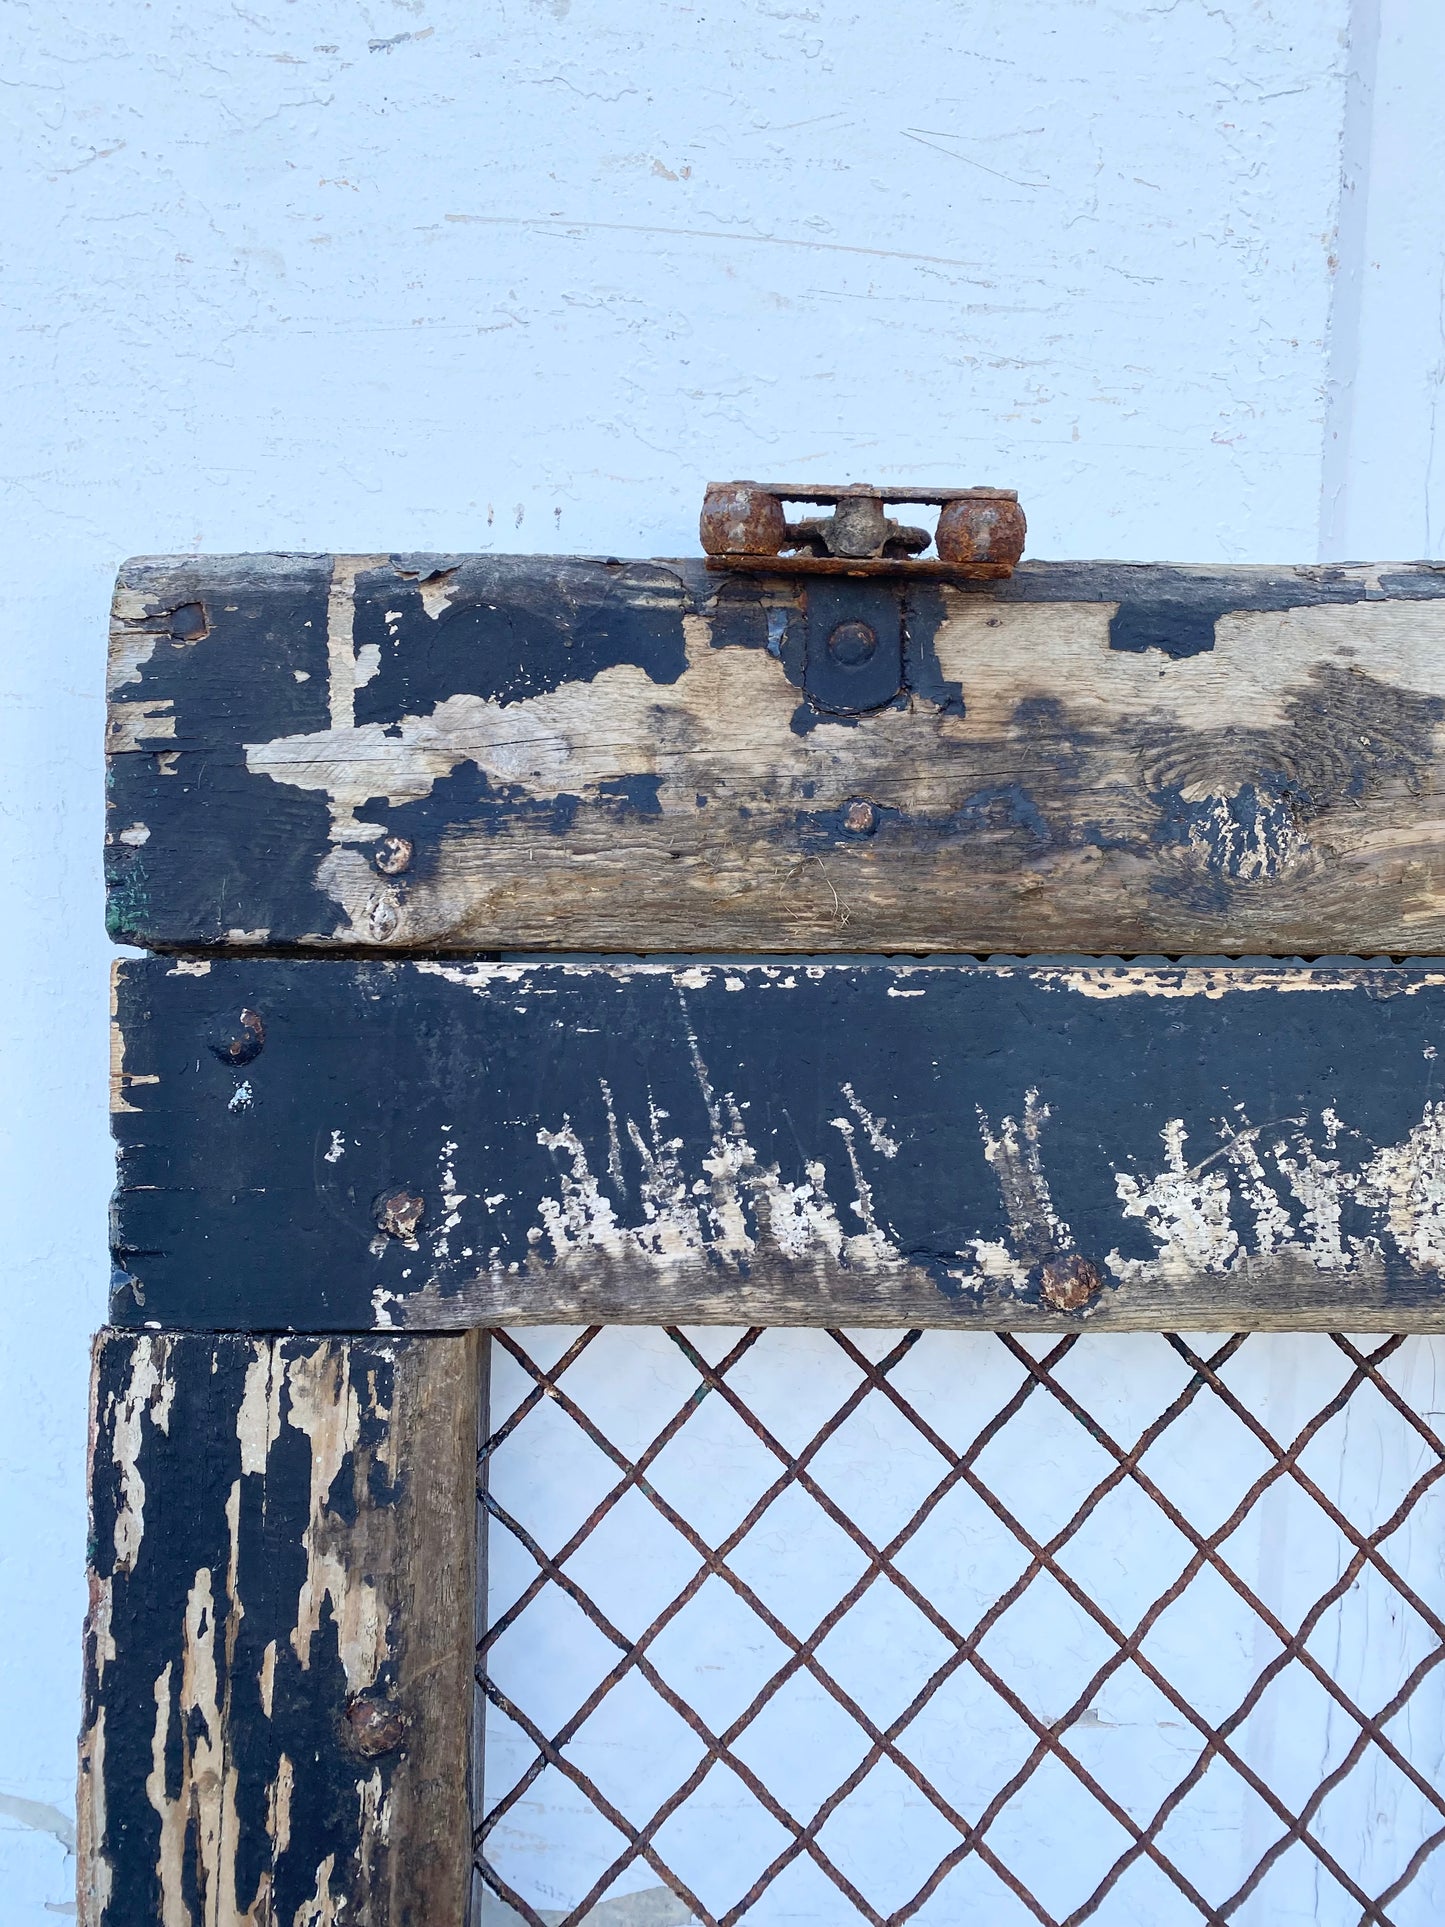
x: 523, y: 274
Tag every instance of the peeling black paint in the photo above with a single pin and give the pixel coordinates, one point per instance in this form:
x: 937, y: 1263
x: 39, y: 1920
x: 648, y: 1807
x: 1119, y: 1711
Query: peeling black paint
x: 204, y: 1513
x: 1175, y: 629
x: 188, y: 1471
x: 507, y: 635
x: 225, y: 1216
x: 227, y: 853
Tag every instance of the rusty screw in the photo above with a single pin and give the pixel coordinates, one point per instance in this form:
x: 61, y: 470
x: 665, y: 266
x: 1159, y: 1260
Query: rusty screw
x: 739, y: 518
x: 398, y: 1213
x: 852, y: 642
x: 393, y: 855
x: 382, y: 917
x: 860, y: 818
x: 1070, y: 1282
x: 245, y: 1043
x: 374, y: 1726
x: 987, y: 530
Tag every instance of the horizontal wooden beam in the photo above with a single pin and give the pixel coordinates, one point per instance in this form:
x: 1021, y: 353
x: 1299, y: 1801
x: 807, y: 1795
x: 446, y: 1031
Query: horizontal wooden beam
x: 344, y: 1145
x: 451, y: 753
x: 280, y: 1645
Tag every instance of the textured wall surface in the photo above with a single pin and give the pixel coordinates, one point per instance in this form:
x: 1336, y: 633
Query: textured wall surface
x: 420, y: 274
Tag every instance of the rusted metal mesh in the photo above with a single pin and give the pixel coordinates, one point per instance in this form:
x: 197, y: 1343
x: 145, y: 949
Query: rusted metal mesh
x: 1082, y: 1822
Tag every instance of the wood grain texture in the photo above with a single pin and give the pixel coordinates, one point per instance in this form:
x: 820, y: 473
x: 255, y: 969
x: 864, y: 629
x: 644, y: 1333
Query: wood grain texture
x: 449, y: 753
x: 279, y: 1649
x: 434, y: 1145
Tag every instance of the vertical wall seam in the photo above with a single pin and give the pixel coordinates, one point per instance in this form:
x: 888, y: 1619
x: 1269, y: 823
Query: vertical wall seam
x: 1343, y: 327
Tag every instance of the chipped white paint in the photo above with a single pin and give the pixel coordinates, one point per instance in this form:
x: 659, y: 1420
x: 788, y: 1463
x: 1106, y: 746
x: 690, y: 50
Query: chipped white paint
x: 199, y: 1826
x: 1409, y: 1180
x: 725, y: 1205
x: 1015, y: 1154
x: 278, y: 1807
x: 877, y: 1132
x: 258, y: 1423
x: 145, y: 1401
x: 1187, y: 1210
x: 1212, y: 982
x: 452, y: 1199
x: 1188, y: 1207
x: 325, y: 1908
x: 326, y: 1407
x: 436, y: 591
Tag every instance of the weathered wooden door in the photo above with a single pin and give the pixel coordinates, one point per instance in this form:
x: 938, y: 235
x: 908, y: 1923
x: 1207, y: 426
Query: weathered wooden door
x: 546, y: 944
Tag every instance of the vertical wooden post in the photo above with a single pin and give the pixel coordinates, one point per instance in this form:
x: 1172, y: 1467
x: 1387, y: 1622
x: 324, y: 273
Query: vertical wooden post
x: 279, y: 1650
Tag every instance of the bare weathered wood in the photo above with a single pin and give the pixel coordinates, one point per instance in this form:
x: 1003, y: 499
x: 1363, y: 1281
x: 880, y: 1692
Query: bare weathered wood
x: 279, y: 1650
x: 450, y: 753
x: 435, y: 1145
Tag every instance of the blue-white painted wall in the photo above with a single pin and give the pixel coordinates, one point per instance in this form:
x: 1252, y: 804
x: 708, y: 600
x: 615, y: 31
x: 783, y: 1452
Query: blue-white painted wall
x: 523, y: 274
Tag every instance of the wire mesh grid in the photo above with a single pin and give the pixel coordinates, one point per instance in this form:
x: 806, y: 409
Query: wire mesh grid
x: 968, y: 1628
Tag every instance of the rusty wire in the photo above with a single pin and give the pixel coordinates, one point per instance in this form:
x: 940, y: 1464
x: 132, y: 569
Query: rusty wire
x: 1050, y: 1738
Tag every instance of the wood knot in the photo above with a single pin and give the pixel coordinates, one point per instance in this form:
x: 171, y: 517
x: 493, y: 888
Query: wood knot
x: 374, y: 1726
x: 1070, y: 1282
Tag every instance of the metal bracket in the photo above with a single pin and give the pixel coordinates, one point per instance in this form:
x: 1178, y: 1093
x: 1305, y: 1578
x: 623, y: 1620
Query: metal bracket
x: 852, y: 646
x: 980, y: 532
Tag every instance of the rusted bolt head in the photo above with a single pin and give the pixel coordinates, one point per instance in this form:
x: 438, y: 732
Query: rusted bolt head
x: 739, y: 518
x: 382, y: 917
x: 244, y: 1043
x: 1070, y: 1282
x: 852, y: 643
x: 859, y: 527
x: 393, y: 855
x: 399, y: 1212
x: 860, y: 818
x: 981, y: 530
x: 374, y: 1725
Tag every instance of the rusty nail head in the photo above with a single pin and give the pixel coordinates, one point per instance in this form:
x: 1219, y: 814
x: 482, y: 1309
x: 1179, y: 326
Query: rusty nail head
x: 382, y: 917
x: 399, y: 1212
x: 852, y: 642
x: 860, y: 818
x: 245, y: 1043
x: 1070, y: 1282
x: 393, y: 855
x: 374, y: 1726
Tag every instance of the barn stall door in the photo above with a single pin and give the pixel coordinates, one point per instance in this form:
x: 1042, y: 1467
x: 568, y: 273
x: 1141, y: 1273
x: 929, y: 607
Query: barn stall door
x: 956, y: 1410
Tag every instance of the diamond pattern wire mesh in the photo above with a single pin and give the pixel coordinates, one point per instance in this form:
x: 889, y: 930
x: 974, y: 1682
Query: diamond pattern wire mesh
x: 966, y: 1628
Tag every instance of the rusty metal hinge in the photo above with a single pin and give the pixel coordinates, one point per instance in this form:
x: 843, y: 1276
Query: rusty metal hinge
x: 853, y: 655
x: 980, y: 532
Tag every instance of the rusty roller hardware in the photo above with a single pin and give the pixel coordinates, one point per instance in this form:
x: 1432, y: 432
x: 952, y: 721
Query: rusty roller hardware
x: 980, y: 532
